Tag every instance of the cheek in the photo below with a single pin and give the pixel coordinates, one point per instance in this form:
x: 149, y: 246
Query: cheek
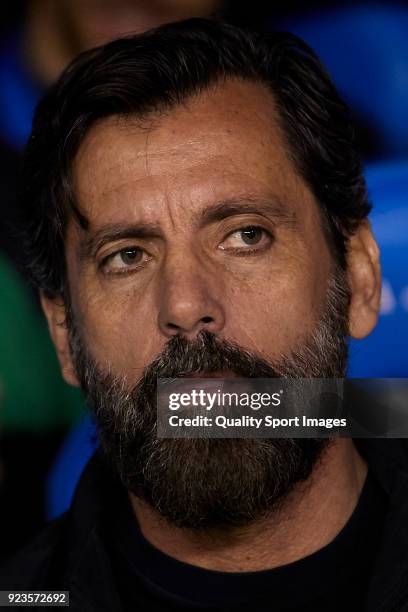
x: 274, y: 312
x: 120, y: 328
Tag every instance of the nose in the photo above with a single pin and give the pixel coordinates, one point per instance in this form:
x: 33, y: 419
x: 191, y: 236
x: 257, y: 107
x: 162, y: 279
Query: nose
x: 190, y: 301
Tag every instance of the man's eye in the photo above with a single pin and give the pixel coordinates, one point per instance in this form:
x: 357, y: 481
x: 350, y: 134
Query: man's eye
x: 247, y: 237
x: 125, y: 260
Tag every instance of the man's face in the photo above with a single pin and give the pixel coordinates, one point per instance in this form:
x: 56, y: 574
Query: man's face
x: 168, y: 250
x: 202, y: 241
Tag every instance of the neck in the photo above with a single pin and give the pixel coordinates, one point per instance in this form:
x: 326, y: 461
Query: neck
x: 309, y: 519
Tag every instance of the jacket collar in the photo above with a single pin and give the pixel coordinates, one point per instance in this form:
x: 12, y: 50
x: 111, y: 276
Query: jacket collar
x: 89, y: 574
x: 388, y: 460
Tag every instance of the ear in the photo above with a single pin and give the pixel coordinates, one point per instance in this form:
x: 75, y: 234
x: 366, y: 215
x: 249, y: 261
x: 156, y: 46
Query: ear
x: 364, y: 275
x: 55, y: 312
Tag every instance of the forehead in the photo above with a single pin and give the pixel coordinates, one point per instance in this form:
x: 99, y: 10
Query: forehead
x: 222, y: 142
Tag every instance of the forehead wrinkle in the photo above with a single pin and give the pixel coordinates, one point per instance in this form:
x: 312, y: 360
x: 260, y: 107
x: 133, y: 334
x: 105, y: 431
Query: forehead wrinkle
x: 129, y: 180
x: 151, y: 152
x: 270, y: 205
x: 146, y: 156
x: 118, y: 168
x: 150, y: 174
x: 93, y: 163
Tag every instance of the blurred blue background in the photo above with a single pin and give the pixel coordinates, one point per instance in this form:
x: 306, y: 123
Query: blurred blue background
x: 384, y: 353
x: 364, y: 46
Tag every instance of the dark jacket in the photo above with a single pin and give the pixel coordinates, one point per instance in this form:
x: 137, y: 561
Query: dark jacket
x: 71, y: 555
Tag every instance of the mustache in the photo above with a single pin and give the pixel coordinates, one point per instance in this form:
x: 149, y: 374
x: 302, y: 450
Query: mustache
x: 207, y: 353
x: 180, y: 357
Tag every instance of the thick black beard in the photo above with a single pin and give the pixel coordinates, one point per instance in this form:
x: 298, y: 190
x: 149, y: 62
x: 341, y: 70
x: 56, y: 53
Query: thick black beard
x: 205, y: 484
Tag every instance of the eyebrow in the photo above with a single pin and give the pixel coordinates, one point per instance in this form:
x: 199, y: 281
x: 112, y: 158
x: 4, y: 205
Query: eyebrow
x: 112, y: 232
x: 272, y: 208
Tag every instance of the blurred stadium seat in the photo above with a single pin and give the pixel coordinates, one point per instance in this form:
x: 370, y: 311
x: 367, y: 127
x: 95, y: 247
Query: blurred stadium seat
x: 364, y: 45
x: 383, y: 354
x: 73, y: 455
